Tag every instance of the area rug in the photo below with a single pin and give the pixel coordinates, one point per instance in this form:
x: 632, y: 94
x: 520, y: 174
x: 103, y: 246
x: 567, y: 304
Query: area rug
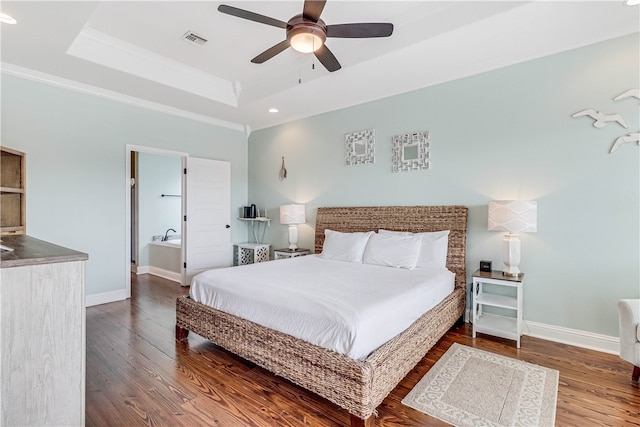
x: 470, y: 387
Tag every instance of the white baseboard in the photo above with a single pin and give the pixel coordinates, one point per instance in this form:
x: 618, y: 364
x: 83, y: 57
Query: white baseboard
x: 575, y: 337
x: 105, y: 298
x: 142, y: 269
x: 584, y: 339
x: 167, y: 274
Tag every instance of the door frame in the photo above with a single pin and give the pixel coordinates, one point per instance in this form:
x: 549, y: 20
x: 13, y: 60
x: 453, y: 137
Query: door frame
x: 140, y: 149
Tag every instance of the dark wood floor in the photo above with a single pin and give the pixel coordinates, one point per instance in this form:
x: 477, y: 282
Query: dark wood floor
x: 138, y: 375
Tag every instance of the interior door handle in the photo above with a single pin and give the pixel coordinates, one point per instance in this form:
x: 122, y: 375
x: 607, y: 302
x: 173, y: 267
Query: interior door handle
x: 227, y: 226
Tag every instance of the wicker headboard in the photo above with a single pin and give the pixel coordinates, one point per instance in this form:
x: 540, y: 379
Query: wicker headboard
x: 416, y: 219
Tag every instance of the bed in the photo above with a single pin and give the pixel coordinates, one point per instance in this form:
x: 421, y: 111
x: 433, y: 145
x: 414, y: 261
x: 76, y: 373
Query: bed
x: 358, y: 386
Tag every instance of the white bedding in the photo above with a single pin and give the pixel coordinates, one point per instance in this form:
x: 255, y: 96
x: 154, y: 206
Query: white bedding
x: 350, y: 308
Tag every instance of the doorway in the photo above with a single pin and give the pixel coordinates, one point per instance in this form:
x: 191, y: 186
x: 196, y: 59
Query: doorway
x: 138, y: 235
x: 205, y: 201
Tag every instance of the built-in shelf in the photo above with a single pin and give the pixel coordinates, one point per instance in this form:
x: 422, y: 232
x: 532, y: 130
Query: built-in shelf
x: 12, y: 192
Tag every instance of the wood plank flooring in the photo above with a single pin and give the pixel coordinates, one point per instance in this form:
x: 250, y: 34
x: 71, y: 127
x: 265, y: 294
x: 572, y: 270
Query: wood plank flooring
x: 137, y: 375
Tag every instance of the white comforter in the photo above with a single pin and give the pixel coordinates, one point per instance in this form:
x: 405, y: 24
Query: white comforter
x: 346, y: 307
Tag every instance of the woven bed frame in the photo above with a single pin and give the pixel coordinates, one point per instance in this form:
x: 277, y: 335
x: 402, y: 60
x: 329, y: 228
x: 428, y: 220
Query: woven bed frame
x: 357, y: 386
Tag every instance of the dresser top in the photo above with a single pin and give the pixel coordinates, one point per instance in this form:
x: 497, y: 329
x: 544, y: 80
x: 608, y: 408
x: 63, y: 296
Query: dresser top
x: 31, y: 251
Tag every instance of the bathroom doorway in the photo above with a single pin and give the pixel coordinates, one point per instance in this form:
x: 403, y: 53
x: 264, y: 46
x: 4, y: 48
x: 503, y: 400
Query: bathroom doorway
x: 154, y: 212
x: 203, y: 196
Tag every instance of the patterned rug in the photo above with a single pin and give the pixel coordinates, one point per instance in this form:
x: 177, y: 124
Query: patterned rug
x: 470, y: 387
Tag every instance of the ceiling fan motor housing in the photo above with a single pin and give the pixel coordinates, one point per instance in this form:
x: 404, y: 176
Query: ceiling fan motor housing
x: 304, y: 35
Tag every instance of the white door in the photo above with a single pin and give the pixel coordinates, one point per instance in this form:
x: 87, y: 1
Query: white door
x: 206, y: 225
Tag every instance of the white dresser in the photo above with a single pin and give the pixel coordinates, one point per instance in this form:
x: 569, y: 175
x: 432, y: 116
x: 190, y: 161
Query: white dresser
x: 42, y: 327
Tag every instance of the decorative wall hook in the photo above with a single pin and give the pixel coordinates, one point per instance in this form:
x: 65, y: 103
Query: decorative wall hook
x: 283, y: 170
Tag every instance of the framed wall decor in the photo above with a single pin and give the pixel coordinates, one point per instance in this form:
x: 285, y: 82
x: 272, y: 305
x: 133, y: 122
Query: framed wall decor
x: 360, y: 147
x: 410, y: 151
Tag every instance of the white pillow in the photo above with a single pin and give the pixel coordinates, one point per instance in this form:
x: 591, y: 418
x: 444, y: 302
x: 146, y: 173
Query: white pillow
x: 434, y: 248
x: 344, y: 246
x: 393, y: 250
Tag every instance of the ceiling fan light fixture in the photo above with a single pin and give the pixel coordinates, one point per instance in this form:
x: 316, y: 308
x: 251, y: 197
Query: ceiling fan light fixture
x: 306, y: 42
x: 7, y: 19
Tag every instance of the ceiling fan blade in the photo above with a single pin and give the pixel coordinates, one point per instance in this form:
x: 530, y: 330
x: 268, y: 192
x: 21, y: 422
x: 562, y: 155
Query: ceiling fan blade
x: 271, y: 52
x: 360, y: 30
x: 327, y: 59
x: 251, y: 16
x: 313, y: 9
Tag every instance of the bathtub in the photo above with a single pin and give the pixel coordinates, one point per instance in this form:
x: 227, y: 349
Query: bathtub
x: 165, y: 259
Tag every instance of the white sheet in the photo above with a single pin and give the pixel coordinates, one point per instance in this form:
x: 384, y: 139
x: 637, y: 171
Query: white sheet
x: 346, y: 307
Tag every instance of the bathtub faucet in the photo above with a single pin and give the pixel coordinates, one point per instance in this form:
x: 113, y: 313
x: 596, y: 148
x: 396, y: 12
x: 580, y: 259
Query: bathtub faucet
x: 167, y: 233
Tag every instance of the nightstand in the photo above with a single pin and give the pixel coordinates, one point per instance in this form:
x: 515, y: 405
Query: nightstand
x: 290, y: 253
x: 494, y: 324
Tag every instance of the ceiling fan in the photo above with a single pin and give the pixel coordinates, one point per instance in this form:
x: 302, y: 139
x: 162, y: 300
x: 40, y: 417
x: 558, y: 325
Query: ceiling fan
x: 306, y: 32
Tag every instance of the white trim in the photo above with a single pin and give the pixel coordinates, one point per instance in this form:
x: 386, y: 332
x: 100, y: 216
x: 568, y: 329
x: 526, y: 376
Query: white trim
x: 144, y: 269
x: 105, y: 298
x: 37, y: 76
x: 575, y: 337
x: 578, y: 338
x: 167, y: 274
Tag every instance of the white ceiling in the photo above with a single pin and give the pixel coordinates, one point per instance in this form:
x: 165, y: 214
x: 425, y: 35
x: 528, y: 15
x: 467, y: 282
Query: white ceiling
x: 133, y: 51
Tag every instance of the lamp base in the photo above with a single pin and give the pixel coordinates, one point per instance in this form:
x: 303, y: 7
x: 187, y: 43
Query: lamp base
x: 511, y: 255
x: 511, y: 274
x: 293, y: 237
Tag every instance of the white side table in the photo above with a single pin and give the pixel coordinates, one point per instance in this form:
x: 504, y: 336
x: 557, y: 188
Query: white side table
x: 249, y: 253
x: 290, y: 253
x: 494, y: 324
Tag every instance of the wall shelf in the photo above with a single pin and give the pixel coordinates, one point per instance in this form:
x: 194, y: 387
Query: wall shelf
x: 12, y: 192
x: 257, y: 224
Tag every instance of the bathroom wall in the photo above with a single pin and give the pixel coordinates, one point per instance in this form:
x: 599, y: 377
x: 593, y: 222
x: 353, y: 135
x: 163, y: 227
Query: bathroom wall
x: 157, y: 174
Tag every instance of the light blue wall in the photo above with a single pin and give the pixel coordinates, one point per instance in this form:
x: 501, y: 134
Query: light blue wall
x: 505, y: 134
x: 76, y: 184
x: 157, y: 174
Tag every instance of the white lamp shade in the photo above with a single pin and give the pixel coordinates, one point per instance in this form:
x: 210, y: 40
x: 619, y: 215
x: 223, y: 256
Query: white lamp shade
x: 513, y: 215
x: 292, y: 214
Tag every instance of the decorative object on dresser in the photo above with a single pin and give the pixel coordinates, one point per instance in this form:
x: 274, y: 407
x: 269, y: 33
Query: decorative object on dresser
x: 360, y: 147
x: 410, y: 151
x: 471, y: 387
x: 512, y: 216
x: 357, y: 385
x: 485, y: 266
x: 13, y: 197
x: 292, y: 215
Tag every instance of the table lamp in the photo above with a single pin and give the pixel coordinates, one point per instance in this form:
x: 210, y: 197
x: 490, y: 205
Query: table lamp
x: 512, y: 216
x: 292, y: 215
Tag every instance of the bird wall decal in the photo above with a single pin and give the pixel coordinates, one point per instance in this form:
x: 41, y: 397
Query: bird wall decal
x: 601, y: 119
x: 628, y: 94
x: 630, y: 137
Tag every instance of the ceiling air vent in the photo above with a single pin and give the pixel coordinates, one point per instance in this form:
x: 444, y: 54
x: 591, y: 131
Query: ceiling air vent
x: 194, y: 38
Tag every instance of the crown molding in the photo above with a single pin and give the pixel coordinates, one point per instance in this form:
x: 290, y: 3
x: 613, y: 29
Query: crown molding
x: 26, y: 73
x: 97, y: 47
